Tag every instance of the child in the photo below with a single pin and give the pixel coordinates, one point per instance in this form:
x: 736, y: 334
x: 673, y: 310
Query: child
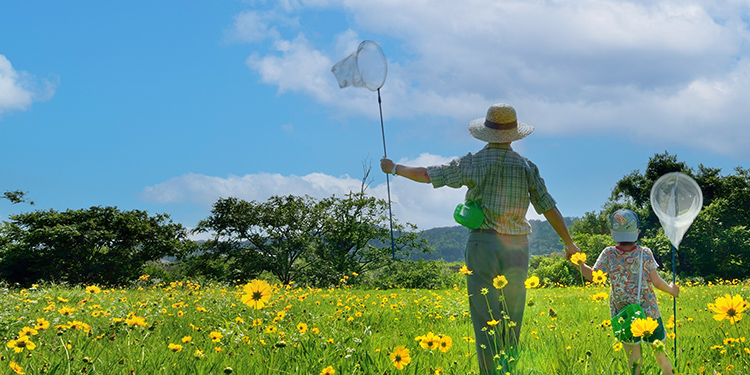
x: 622, y: 263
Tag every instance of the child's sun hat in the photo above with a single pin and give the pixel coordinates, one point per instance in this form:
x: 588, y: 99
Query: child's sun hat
x: 624, y: 225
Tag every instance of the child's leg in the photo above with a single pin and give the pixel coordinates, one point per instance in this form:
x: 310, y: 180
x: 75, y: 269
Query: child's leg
x: 634, y: 357
x: 664, y: 364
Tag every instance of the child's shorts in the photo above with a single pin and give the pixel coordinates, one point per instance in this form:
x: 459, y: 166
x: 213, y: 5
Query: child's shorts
x: 659, y: 334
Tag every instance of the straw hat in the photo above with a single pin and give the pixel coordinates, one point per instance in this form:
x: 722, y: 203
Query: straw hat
x: 500, y: 125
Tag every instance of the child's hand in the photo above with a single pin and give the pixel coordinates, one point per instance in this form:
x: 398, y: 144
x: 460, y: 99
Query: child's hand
x: 675, y: 289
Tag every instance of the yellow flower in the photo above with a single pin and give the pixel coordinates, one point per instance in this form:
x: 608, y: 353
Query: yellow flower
x: 499, y: 282
x: 16, y: 368
x: 400, y: 357
x: 531, y: 282
x: 257, y: 294
x: 198, y: 353
x: 28, y: 331
x: 93, y: 289
x: 643, y: 327
x: 136, y: 321
x: 465, y: 270
x: 215, y: 336
x: 599, y: 296
x: 599, y: 277
x: 617, y: 347
x: 445, y: 343
x: 578, y: 258
x: 493, y: 322
x: 79, y: 325
x: 302, y: 327
x: 187, y: 339
x: 175, y: 347
x: 143, y: 277
x: 22, y: 343
x: 328, y: 371
x: 730, y: 308
x: 429, y: 341
x: 41, y: 323
x: 66, y: 310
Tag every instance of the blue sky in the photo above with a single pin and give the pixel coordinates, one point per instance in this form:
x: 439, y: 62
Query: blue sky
x: 166, y: 106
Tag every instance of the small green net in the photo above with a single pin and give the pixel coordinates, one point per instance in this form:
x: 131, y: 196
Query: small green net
x: 622, y: 321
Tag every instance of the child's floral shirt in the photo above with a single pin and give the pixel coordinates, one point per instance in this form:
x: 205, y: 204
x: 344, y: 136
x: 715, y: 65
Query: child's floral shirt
x: 622, y: 268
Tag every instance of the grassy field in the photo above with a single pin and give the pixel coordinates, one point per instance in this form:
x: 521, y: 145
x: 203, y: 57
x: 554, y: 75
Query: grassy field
x: 187, y: 328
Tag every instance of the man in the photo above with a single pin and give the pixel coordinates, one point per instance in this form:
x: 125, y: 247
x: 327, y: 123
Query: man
x: 503, y: 183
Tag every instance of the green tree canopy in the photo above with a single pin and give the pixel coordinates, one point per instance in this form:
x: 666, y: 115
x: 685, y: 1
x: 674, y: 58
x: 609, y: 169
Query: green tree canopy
x: 16, y: 196
x: 300, y: 238
x: 256, y: 236
x: 101, y: 245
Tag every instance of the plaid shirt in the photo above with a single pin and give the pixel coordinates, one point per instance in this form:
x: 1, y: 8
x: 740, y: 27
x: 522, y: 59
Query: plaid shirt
x: 502, y: 181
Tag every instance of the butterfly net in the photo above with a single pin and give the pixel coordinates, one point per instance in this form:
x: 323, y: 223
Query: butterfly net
x: 366, y: 67
x: 676, y: 199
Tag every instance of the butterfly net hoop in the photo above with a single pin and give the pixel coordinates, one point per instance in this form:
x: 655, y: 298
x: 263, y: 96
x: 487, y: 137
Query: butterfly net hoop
x: 676, y: 199
x: 366, y: 67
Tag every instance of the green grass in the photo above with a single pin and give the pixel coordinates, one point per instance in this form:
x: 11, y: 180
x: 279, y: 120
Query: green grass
x: 352, y: 330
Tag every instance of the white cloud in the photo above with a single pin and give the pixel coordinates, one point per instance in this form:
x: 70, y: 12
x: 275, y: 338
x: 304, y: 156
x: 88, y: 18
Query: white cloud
x: 651, y: 71
x: 12, y: 93
x: 19, y: 89
x: 205, y: 190
x: 299, y: 68
x: 412, y: 202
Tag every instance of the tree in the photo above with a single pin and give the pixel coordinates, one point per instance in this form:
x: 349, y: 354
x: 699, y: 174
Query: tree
x: 300, y: 238
x: 16, y: 196
x: 99, y: 245
x: 355, y: 237
x: 273, y: 235
x: 717, y: 247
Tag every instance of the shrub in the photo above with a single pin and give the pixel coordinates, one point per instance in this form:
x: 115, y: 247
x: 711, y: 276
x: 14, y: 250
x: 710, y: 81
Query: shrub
x: 422, y: 274
x: 554, y: 270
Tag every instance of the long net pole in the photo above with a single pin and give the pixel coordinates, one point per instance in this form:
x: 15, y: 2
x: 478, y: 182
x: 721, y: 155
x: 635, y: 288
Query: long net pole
x: 674, y: 280
x: 387, y: 177
x: 674, y: 306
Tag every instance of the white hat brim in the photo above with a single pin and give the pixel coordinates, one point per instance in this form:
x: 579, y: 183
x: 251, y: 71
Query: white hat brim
x: 483, y: 133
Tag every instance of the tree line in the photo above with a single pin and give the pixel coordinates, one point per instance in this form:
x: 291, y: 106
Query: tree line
x: 294, y: 238
x: 320, y: 241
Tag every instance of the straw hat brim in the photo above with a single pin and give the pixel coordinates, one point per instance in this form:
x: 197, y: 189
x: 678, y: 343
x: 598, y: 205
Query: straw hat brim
x: 483, y: 133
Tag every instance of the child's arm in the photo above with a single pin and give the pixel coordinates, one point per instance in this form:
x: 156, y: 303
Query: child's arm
x: 662, y: 285
x: 586, y: 271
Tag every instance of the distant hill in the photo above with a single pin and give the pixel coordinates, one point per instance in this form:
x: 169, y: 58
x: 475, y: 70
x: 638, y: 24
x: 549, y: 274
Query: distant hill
x: 450, y: 242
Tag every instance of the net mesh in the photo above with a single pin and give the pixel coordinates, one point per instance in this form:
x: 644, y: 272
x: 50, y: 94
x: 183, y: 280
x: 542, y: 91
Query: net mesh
x: 366, y: 67
x: 676, y: 199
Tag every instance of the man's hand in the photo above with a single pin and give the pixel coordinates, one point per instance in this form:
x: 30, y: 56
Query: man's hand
x: 386, y: 165
x: 570, y: 250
